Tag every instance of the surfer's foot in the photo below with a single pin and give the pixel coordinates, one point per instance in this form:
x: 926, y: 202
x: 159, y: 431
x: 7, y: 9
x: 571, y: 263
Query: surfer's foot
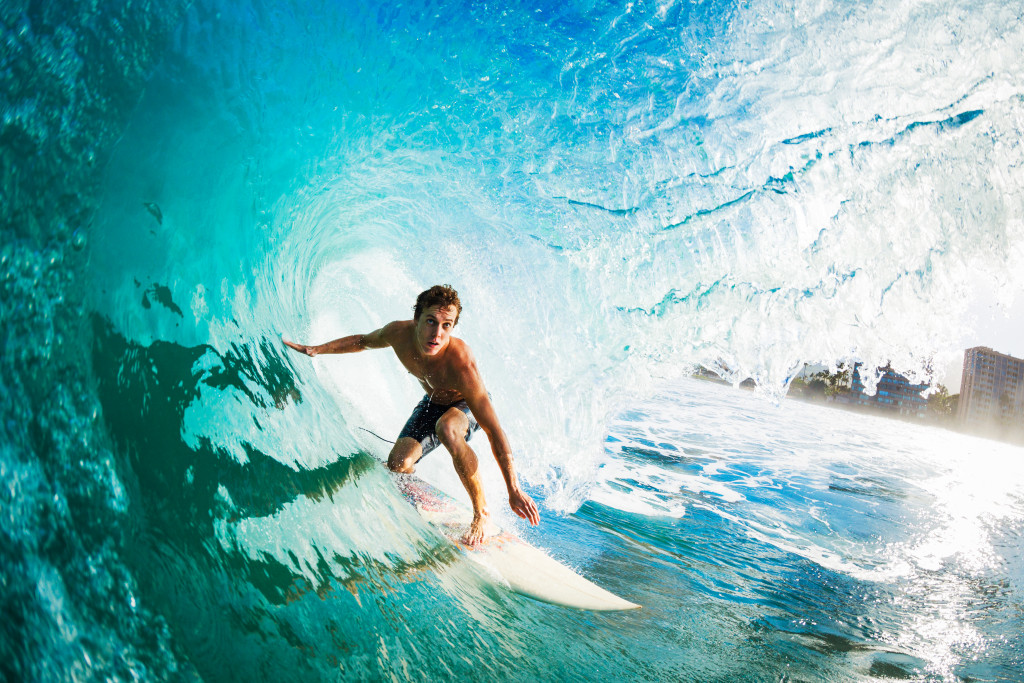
x: 477, y: 529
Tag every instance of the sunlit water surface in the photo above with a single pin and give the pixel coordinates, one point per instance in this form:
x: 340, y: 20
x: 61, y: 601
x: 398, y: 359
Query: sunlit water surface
x: 621, y: 192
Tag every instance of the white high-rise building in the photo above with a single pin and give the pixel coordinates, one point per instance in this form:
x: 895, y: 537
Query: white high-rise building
x: 991, y: 389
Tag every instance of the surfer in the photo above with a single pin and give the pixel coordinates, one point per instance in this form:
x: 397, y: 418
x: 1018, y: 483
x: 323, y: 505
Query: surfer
x: 455, y: 403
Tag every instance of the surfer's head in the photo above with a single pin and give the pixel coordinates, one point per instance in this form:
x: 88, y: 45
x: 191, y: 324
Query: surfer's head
x: 436, y: 313
x: 442, y: 296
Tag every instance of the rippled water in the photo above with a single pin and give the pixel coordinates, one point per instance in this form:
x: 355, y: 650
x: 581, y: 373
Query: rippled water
x: 858, y: 546
x: 621, y: 193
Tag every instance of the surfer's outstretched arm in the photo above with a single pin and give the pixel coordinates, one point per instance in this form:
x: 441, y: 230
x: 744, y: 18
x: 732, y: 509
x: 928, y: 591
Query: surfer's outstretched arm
x: 378, y: 339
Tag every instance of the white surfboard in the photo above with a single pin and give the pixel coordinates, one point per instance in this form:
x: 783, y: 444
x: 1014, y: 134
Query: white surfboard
x: 526, y: 569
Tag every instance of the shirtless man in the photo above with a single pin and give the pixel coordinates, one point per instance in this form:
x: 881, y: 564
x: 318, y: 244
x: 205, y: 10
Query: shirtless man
x: 455, y: 404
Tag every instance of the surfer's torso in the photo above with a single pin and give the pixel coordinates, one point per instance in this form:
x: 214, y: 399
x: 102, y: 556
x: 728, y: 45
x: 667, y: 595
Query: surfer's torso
x: 441, y: 376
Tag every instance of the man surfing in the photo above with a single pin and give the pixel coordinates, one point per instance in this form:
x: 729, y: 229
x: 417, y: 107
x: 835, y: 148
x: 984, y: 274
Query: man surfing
x: 455, y: 404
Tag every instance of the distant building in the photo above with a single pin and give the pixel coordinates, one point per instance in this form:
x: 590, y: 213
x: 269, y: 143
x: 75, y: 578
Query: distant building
x: 894, y: 393
x: 991, y: 389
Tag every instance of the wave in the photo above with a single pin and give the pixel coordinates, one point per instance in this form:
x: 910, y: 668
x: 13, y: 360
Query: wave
x: 621, y: 195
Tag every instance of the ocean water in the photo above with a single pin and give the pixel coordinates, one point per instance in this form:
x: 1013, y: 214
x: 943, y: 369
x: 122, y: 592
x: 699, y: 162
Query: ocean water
x: 622, y: 192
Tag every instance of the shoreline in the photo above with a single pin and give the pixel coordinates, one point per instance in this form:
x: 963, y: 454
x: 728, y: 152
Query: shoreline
x: 1008, y: 435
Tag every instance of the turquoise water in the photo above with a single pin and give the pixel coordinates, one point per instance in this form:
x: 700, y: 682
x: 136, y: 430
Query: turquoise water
x: 621, y: 192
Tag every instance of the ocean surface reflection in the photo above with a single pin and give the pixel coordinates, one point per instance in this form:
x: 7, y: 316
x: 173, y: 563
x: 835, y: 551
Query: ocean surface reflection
x: 850, y: 533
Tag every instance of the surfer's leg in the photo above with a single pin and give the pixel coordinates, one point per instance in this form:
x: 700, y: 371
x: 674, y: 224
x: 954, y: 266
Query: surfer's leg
x: 451, y: 429
x: 416, y: 438
x: 404, y: 455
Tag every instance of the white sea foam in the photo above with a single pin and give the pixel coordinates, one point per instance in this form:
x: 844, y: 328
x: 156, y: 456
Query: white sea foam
x: 793, y: 481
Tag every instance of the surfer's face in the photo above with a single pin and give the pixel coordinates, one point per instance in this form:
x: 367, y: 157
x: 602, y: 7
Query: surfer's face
x: 434, y: 328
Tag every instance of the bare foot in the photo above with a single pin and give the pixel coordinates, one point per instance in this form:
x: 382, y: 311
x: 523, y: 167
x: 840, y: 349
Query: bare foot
x: 477, y: 529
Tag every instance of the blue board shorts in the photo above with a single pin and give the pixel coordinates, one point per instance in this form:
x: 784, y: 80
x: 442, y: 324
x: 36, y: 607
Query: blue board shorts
x: 423, y: 422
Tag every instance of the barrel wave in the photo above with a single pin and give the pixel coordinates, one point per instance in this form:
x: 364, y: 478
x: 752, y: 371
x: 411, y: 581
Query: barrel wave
x: 621, y: 193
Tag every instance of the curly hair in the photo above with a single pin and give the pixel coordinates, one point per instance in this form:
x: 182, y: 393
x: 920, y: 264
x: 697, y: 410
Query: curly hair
x: 438, y: 295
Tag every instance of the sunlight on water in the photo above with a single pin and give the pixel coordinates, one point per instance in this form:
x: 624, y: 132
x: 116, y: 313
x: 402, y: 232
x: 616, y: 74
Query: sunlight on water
x: 909, y: 509
x: 622, y: 193
x: 755, y: 213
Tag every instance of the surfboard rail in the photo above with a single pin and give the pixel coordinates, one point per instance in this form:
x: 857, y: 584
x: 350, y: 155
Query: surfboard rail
x: 522, y: 567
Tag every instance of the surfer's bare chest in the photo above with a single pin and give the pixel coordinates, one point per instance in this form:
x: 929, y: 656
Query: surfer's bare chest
x: 436, y: 377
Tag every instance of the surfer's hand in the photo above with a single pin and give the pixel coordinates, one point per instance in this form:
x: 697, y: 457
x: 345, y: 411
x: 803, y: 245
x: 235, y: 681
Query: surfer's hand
x: 301, y: 348
x: 523, y: 506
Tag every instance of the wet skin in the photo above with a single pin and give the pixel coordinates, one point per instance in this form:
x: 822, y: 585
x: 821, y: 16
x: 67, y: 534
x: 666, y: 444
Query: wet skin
x: 445, y: 368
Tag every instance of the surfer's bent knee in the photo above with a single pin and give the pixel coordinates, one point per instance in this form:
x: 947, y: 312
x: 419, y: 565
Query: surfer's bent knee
x: 403, y: 456
x: 452, y: 427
